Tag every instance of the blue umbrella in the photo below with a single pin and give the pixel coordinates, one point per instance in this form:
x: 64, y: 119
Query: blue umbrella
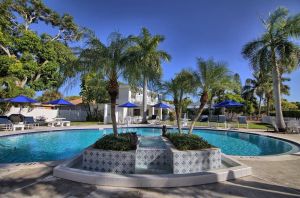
x: 59, y: 102
x: 228, y: 104
x: 161, y: 106
x: 21, y: 99
x: 128, y: 105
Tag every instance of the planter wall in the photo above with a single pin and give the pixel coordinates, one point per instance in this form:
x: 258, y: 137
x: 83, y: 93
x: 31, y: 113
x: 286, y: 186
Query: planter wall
x: 109, y: 161
x: 195, y: 161
x: 160, y: 159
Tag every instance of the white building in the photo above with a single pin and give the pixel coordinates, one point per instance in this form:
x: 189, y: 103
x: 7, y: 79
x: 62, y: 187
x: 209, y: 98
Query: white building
x: 79, y: 112
x: 126, y: 94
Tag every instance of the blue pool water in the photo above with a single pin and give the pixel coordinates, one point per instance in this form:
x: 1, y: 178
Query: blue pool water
x: 66, y: 144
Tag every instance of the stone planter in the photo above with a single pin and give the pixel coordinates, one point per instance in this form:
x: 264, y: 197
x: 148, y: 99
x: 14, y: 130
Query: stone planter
x: 109, y: 161
x: 193, y: 161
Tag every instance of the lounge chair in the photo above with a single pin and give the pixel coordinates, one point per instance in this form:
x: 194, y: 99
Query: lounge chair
x: 16, y: 118
x: 242, y: 120
x: 212, y: 119
x: 293, y: 126
x: 5, y: 123
x: 222, y: 120
x: 29, y: 122
x: 17, y: 121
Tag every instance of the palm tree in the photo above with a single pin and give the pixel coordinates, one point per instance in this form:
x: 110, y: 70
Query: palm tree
x: 183, y: 84
x: 276, y: 52
x: 210, y: 75
x: 111, y: 61
x: 147, y: 58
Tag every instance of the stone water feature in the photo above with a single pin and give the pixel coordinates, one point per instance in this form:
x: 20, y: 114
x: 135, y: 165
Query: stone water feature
x: 154, y: 155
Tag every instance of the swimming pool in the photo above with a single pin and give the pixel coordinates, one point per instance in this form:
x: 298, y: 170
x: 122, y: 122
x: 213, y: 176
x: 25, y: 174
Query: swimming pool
x: 60, y: 145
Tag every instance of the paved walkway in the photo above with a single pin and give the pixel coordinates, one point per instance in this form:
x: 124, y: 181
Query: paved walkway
x: 272, y: 177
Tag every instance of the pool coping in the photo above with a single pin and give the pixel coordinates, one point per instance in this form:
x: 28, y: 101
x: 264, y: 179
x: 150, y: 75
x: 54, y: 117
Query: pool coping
x: 278, y: 157
x: 66, y: 171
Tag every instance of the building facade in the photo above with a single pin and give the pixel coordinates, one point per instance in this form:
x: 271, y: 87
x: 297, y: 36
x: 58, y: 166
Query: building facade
x: 126, y: 94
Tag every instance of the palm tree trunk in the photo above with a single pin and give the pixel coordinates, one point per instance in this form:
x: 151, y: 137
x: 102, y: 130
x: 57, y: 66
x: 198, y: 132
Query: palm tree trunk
x: 277, y: 95
x: 113, y: 115
x: 268, y: 106
x: 144, y: 121
x: 178, y: 117
x: 259, y: 106
x: 203, y: 101
x: 113, y: 91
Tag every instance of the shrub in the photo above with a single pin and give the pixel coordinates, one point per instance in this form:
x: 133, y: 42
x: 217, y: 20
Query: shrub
x: 124, y: 142
x: 187, y: 142
x: 290, y: 114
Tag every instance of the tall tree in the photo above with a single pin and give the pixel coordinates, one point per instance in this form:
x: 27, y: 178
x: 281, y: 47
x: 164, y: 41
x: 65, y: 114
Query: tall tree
x: 210, y: 75
x: 276, y: 51
x: 238, y: 83
x: 49, y: 95
x: 179, y: 87
x: 147, y: 59
x: 107, y: 61
x: 34, y: 62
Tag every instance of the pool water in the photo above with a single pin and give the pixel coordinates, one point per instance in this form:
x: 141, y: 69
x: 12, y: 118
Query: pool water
x: 62, y: 145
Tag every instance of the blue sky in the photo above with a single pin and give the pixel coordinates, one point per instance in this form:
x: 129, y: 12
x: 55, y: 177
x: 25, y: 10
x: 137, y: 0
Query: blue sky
x: 193, y: 28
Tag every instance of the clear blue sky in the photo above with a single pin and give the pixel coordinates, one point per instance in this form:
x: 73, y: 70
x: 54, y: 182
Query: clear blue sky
x: 193, y: 28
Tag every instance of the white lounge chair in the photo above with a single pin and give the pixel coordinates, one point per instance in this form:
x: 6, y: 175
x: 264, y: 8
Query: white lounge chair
x: 242, y: 120
x: 222, y: 120
x: 293, y: 126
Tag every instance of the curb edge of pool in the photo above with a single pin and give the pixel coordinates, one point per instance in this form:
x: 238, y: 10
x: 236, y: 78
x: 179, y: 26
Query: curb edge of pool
x: 66, y: 171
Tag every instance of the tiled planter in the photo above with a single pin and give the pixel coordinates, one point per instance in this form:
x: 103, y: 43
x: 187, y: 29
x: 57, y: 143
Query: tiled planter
x: 109, y: 161
x: 195, y: 161
x: 153, y: 158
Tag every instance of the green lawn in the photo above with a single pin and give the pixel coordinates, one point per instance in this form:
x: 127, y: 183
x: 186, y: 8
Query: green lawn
x: 252, y: 125
x: 75, y: 123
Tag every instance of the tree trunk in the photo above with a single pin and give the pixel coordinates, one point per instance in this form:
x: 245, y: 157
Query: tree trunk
x: 178, y: 117
x: 144, y: 121
x: 277, y: 95
x: 6, y: 50
x: 203, y: 101
x: 268, y: 106
x: 113, y: 114
x: 113, y: 91
x: 259, y: 106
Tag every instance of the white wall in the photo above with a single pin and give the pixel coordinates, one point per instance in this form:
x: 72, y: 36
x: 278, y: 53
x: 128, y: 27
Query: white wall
x: 35, y: 112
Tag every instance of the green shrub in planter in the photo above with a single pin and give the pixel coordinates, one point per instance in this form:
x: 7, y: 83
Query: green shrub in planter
x: 124, y: 142
x: 187, y: 142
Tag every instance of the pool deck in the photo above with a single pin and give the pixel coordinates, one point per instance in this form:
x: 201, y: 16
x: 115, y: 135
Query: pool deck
x: 274, y: 176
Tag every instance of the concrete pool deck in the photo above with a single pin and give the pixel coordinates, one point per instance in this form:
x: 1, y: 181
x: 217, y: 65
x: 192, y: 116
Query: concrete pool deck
x: 274, y: 176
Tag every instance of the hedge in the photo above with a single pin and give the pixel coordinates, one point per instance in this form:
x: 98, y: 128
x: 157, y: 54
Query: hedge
x: 124, y: 142
x: 187, y: 141
x: 290, y: 114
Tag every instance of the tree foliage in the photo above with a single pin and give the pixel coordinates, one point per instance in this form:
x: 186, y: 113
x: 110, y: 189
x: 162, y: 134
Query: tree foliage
x: 178, y: 88
x: 276, y: 53
x: 30, y: 61
x: 49, y: 95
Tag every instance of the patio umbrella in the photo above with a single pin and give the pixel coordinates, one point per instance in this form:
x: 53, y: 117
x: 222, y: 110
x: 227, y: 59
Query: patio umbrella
x: 21, y: 99
x: 128, y: 105
x: 228, y: 104
x: 161, y: 106
x: 59, y: 102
